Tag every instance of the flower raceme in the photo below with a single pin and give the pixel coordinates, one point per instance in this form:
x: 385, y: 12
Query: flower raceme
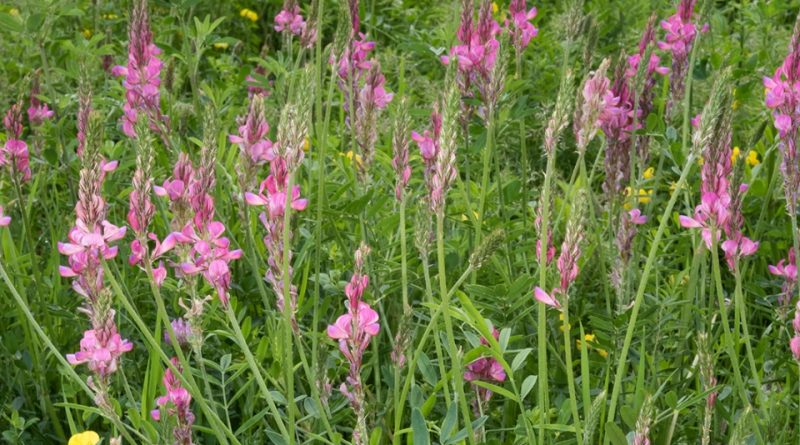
x: 210, y: 255
x: 100, y: 350
x: 142, y: 73
x: 176, y: 402
x: 38, y: 112
x: 274, y: 199
x: 289, y: 20
x: 14, y: 152
x: 486, y: 369
x: 520, y: 27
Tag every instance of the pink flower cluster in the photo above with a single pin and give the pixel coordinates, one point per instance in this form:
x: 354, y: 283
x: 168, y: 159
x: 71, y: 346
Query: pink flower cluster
x: 680, y: 35
x: 720, y: 204
x: 101, y: 350
x: 783, y: 97
x: 788, y: 270
x: 567, y: 265
x: 485, y: 369
x: 38, y: 112
x: 290, y: 20
x: 354, y: 330
x: 253, y: 135
x: 647, y: 93
x: 176, y: 403
x: 142, y: 74
x: 617, y: 123
x: 210, y: 255
x: 794, y: 343
x: 15, y: 151
x: 520, y: 27
x: 5, y: 220
x: 476, y: 52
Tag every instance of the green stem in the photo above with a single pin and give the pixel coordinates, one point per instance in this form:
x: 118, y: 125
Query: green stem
x: 455, y: 356
x: 63, y: 361
x: 288, y: 310
x: 573, y: 398
x: 742, y: 308
x: 488, y: 150
x: 541, y: 328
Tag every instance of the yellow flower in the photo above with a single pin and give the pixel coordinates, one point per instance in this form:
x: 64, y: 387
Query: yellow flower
x: 84, y: 438
x: 475, y: 214
x: 649, y: 173
x: 735, y: 155
x: 306, y: 145
x: 249, y: 14
x: 14, y: 12
x: 350, y: 156
x: 603, y: 353
x: 110, y: 16
x: 563, y: 326
x: 644, y: 195
x: 700, y: 161
x: 590, y: 338
x: 495, y: 8
x: 221, y: 45
x: 752, y: 158
x: 87, y: 33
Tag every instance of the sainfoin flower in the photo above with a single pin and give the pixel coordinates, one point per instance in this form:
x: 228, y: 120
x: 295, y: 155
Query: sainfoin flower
x: 142, y: 73
x: 289, y: 20
x: 476, y: 52
x: 783, y: 98
x: 176, y: 403
x: 679, y: 39
x: 486, y: 369
x: 794, y: 343
x: 5, y: 220
x: 210, y: 255
x: 15, y: 151
x: 100, y: 350
x: 787, y: 269
x: 38, y: 112
x: 354, y: 330
x: 520, y: 26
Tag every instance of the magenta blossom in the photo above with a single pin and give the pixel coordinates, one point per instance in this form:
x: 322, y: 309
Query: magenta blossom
x: 486, y: 369
x: 252, y: 139
x: 5, y: 220
x: 275, y: 199
x: 520, y: 26
x: 210, y: 256
x: 101, y: 351
x: 290, y: 20
x: 636, y: 217
x: 86, y: 247
x: 15, y: 151
x: 548, y: 299
x: 176, y: 402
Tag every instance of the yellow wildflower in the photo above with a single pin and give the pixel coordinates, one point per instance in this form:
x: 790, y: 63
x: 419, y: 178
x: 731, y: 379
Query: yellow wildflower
x: 87, y: 33
x: 590, y: 338
x: 603, y: 353
x: 306, y: 145
x: 752, y: 158
x: 700, y: 161
x: 350, y: 156
x: 649, y: 173
x: 735, y: 155
x: 563, y: 326
x: 644, y: 195
x: 495, y: 8
x: 14, y: 12
x: 221, y: 45
x: 84, y: 438
x: 249, y: 14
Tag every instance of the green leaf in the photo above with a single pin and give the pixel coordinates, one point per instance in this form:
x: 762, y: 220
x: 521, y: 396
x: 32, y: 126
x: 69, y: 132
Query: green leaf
x: 419, y: 429
x: 449, y: 423
x: 497, y: 389
x: 615, y: 435
x: 10, y: 23
x: 527, y: 385
x: 519, y: 359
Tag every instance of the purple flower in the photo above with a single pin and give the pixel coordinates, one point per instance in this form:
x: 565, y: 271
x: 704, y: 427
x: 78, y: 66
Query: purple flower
x: 176, y: 402
x: 290, y: 20
x: 486, y: 369
x: 210, y: 255
x: 275, y: 199
x: 520, y: 26
x: 5, y: 220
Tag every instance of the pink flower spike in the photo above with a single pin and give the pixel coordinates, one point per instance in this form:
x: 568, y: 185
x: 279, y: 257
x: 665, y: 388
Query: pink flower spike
x: 794, y: 345
x: 160, y: 274
x: 544, y: 297
x: 689, y: 223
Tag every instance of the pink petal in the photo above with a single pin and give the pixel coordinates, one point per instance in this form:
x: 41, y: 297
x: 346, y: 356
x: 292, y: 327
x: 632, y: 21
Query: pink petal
x: 544, y: 297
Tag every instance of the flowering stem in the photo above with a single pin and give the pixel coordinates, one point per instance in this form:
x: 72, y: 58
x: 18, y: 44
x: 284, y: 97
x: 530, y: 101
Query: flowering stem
x: 455, y: 357
x: 187, y: 381
x: 112, y: 417
x: 651, y: 257
x: 403, y: 264
x: 541, y: 328
x: 742, y: 307
x: 573, y: 399
x: 727, y: 338
x: 436, y: 341
x: 288, y: 310
x: 251, y: 362
x: 488, y: 150
x: 398, y: 416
